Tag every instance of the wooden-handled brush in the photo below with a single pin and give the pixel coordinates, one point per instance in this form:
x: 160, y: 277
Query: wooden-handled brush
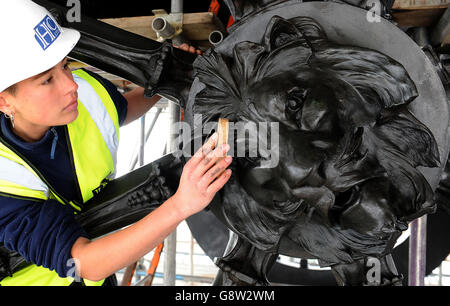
x: 222, y: 131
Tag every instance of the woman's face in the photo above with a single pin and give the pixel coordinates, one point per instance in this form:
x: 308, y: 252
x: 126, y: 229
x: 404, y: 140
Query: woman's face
x: 47, y: 99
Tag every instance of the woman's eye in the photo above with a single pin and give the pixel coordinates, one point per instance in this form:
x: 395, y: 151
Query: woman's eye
x: 47, y: 81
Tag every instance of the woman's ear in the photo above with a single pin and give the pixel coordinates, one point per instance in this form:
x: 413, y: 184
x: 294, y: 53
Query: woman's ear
x: 5, y: 106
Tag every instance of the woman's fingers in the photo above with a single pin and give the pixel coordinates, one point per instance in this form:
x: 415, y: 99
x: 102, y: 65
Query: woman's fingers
x: 209, y: 164
x: 208, y: 147
x: 212, y: 157
x: 210, y: 144
x: 188, y: 48
x: 210, y: 160
x: 214, y: 172
x: 184, y: 47
x: 219, y: 182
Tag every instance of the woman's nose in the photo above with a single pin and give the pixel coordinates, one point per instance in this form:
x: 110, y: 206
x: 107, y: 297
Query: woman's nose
x: 69, y: 85
x: 72, y: 87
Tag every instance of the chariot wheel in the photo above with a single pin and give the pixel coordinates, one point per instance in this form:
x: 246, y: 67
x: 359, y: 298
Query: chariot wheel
x: 214, y: 240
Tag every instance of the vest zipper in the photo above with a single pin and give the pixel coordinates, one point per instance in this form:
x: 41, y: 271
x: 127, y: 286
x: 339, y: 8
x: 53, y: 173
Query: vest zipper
x: 37, y: 172
x: 54, y: 142
x: 77, y: 184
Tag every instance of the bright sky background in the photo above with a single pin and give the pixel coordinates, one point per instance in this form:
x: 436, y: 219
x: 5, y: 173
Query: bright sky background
x: 130, y: 136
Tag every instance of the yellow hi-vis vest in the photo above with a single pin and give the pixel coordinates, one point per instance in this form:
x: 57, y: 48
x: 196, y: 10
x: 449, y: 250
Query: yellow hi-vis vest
x: 93, y: 140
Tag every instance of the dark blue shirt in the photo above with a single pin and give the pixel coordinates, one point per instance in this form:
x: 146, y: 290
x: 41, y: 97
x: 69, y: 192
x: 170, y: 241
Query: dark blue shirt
x: 44, y: 232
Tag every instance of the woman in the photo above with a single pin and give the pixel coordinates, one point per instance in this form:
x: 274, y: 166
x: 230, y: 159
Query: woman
x: 58, y: 141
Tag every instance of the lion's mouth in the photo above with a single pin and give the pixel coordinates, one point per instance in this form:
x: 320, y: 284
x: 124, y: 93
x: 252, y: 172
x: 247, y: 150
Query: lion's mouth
x: 328, y: 203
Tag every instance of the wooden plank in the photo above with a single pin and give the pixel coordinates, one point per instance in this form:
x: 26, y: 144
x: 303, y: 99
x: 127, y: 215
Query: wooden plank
x: 446, y: 40
x: 417, y: 18
x: 420, y: 4
x: 196, y: 26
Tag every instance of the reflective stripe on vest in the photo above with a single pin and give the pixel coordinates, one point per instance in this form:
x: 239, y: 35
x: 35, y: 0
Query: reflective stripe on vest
x: 39, y: 276
x: 103, y: 113
x: 18, y: 177
x: 32, y: 187
x: 93, y: 138
x: 97, y: 150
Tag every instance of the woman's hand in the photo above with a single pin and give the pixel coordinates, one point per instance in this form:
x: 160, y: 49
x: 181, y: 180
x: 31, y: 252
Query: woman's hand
x: 203, y: 176
x: 188, y: 48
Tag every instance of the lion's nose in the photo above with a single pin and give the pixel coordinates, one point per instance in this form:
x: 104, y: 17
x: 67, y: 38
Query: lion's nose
x: 316, y: 116
x: 321, y: 198
x: 298, y: 175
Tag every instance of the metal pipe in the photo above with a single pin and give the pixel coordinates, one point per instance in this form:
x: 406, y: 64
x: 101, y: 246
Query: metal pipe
x: 442, y: 29
x: 417, y: 252
x: 176, y: 10
x: 170, y: 259
x: 215, y: 38
x: 147, y: 136
x: 128, y: 275
x: 162, y: 27
x: 420, y: 35
x: 176, y: 6
x: 418, y: 236
x: 142, y: 142
x: 129, y: 272
x: 171, y: 241
x: 186, y: 278
x: 191, y: 256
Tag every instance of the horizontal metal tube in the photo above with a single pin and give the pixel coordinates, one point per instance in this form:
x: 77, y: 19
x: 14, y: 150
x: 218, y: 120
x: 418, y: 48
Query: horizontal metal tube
x: 162, y: 27
x: 215, y: 38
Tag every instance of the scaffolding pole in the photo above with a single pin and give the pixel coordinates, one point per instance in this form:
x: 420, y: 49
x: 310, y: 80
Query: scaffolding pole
x: 147, y: 135
x: 142, y: 140
x: 129, y: 271
x: 170, y: 244
x: 417, y: 252
x: 176, y: 6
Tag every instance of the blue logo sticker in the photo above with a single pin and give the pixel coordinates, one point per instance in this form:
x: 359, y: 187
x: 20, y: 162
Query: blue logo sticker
x: 47, y: 31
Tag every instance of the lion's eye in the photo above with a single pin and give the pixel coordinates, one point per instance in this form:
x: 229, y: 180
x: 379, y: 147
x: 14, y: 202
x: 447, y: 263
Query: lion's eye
x: 294, y: 104
x: 295, y: 99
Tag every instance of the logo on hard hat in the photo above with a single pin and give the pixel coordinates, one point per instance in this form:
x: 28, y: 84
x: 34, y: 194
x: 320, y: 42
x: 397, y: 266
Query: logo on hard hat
x: 47, y: 31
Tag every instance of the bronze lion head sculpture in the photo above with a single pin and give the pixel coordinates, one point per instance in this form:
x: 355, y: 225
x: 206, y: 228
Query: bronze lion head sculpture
x: 346, y: 181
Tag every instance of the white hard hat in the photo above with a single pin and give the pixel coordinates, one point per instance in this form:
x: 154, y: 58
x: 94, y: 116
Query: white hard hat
x: 31, y: 41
